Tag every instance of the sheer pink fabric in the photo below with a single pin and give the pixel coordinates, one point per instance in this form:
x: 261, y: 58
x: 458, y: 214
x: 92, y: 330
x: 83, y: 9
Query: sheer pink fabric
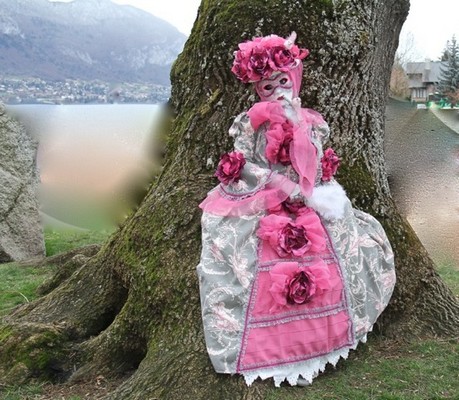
x: 312, y: 117
x: 274, y: 193
x: 272, y: 225
x: 303, y: 153
x: 296, y: 75
x: 266, y: 111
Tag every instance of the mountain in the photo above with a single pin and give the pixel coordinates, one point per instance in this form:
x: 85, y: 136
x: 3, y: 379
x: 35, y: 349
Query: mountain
x: 85, y: 39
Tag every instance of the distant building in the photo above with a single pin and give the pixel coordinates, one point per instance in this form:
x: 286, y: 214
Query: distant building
x: 423, y: 78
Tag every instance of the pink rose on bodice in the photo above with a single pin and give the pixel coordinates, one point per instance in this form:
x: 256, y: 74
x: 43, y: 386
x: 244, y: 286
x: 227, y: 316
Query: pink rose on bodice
x: 284, y: 149
x: 292, y: 284
x: 293, y: 238
x: 330, y: 164
x: 230, y: 167
x: 278, y: 141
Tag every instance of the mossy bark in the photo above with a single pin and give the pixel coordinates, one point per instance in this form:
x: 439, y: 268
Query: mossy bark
x: 134, y: 308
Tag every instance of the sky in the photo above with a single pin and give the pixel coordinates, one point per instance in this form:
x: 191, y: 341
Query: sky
x: 428, y: 26
x: 180, y: 13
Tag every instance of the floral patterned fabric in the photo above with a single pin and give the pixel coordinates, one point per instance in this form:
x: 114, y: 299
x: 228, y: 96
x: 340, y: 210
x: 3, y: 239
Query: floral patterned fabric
x: 284, y: 291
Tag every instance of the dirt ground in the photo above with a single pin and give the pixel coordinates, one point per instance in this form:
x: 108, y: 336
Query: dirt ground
x: 93, y: 390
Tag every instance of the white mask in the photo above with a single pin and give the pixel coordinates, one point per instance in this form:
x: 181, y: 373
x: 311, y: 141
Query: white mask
x: 275, y: 88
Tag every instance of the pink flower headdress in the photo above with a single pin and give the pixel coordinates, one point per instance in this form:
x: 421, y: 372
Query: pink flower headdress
x: 259, y: 58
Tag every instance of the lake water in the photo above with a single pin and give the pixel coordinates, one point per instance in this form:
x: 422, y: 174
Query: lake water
x: 90, y: 158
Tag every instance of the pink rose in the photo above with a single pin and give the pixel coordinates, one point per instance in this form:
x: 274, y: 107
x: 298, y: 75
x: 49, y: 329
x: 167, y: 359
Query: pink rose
x: 271, y: 41
x: 230, y: 167
x: 240, y: 66
x: 258, y: 58
x: 289, y: 207
x: 293, y: 240
x: 292, y: 284
x: 258, y: 66
x: 330, y: 163
x: 299, y: 53
x: 240, y: 71
x: 281, y: 59
x: 284, y: 149
x: 301, y: 288
x: 279, y: 138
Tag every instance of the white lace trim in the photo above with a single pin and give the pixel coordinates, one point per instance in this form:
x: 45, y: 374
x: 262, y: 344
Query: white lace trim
x: 307, y: 370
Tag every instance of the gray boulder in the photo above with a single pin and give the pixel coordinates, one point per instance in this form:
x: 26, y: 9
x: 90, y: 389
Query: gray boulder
x: 21, y: 232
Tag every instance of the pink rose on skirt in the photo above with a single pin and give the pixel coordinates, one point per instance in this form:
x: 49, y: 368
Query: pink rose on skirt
x: 230, y: 167
x: 330, y: 163
x: 292, y: 284
x: 293, y: 238
x: 301, y: 288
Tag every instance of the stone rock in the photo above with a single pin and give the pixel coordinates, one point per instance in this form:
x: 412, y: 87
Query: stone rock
x: 21, y: 232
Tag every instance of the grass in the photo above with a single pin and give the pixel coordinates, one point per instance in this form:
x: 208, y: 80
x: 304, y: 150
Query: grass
x: 59, y: 241
x: 450, y: 274
x: 22, y: 392
x: 379, y: 370
x: 386, y: 370
x: 18, y: 284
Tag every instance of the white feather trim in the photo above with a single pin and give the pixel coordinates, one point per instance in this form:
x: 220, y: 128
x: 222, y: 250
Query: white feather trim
x: 329, y: 201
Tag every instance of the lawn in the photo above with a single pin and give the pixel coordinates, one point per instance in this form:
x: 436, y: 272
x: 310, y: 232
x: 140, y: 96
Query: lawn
x: 379, y: 370
x: 18, y: 283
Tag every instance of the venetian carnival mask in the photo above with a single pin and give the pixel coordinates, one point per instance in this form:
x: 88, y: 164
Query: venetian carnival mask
x: 273, y: 64
x: 277, y: 87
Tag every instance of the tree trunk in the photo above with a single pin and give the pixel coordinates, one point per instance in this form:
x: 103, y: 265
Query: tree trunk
x: 134, y: 307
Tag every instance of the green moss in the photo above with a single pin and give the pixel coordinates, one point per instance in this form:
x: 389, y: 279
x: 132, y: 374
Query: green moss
x: 5, y: 333
x: 32, y: 350
x: 210, y: 103
x: 359, y: 184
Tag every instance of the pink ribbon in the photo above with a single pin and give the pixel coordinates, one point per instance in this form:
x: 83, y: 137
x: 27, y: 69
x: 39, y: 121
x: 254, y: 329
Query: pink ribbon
x: 303, y: 153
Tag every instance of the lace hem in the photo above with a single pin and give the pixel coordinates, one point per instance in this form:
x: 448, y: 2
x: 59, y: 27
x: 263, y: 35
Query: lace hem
x: 307, y: 370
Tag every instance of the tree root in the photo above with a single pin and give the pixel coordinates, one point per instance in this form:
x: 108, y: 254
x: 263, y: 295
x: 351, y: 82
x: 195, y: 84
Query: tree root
x: 117, y: 351
x: 39, y: 339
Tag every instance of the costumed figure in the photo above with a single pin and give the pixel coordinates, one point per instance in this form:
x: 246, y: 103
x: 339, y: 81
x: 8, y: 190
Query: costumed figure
x: 291, y: 276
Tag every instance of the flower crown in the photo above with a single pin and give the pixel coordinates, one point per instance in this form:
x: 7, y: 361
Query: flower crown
x: 259, y: 58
